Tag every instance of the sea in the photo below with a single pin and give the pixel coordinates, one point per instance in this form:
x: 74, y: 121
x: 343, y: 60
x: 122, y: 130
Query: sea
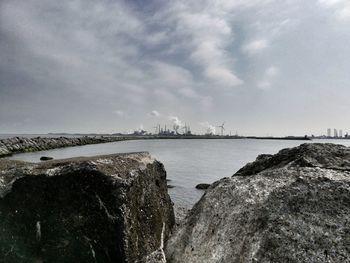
x: 187, y: 162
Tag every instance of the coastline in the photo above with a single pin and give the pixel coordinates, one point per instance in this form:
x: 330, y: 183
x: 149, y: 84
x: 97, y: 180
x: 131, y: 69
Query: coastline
x: 15, y: 145
x: 275, y: 201
x: 23, y: 144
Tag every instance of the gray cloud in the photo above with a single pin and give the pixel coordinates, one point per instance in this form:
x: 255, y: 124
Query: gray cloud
x: 266, y: 67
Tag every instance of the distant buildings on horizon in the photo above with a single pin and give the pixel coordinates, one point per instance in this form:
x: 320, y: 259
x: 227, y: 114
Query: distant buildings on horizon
x: 336, y: 133
x: 186, y: 130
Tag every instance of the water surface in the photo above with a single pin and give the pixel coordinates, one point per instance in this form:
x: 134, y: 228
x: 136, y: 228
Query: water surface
x: 187, y: 162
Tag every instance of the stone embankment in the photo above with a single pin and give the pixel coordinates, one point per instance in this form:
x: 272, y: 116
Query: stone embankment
x: 22, y: 144
x: 112, y: 208
x: 293, y: 206
x: 290, y: 207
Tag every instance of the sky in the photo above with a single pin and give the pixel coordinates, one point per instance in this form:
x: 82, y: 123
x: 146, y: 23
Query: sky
x: 267, y: 67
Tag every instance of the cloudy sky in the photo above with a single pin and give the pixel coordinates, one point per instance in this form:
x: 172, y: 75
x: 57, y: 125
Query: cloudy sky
x: 266, y: 67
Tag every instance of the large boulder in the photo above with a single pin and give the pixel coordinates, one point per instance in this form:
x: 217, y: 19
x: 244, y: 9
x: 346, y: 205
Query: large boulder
x: 111, y: 208
x: 290, y: 207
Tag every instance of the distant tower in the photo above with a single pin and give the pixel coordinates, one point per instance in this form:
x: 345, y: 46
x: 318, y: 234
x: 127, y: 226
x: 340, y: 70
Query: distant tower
x: 341, y: 133
x: 329, y: 132
x: 335, y: 133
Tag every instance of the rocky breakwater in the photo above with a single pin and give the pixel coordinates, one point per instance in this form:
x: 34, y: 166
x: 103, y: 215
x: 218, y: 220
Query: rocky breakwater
x: 21, y: 144
x: 290, y: 207
x: 112, y: 208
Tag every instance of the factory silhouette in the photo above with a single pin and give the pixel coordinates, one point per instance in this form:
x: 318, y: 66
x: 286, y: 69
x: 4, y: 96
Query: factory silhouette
x: 177, y: 130
x: 336, y: 133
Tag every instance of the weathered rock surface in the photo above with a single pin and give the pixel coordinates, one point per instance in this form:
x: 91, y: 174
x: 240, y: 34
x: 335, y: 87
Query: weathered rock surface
x: 290, y: 207
x: 22, y: 144
x: 112, y: 208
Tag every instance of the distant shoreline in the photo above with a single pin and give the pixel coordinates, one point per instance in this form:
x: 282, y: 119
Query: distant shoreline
x: 34, y: 143
x: 10, y: 146
x: 13, y: 145
x: 151, y: 136
x: 211, y: 137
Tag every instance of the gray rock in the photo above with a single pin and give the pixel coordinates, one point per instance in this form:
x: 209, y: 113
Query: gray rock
x: 290, y: 207
x: 45, y: 158
x: 202, y: 186
x: 4, y: 151
x: 180, y: 214
x: 19, y: 144
x: 111, y: 208
x: 157, y: 256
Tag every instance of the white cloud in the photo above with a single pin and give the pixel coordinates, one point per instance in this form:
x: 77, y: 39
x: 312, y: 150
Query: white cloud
x: 120, y: 113
x: 206, y: 54
x: 102, y: 55
x: 341, y: 8
x: 157, y: 38
x: 222, y: 77
x: 264, y: 85
x: 344, y: 13
x: 170, y: 76
x: 164, y: 95
x: 188, y: 92
x: 205, y: 33
x: 268, y: 77
x: 255, y: 46
x: 331, y: 2
x: 271, y: 71
x: 154, y: 113
x: 206, y: 101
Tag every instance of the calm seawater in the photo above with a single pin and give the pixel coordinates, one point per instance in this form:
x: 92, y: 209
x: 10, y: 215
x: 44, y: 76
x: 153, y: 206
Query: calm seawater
x: 187, y: 162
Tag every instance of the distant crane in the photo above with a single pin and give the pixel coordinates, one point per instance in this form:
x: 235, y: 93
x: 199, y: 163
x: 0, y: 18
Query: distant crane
x: 222, y: 128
